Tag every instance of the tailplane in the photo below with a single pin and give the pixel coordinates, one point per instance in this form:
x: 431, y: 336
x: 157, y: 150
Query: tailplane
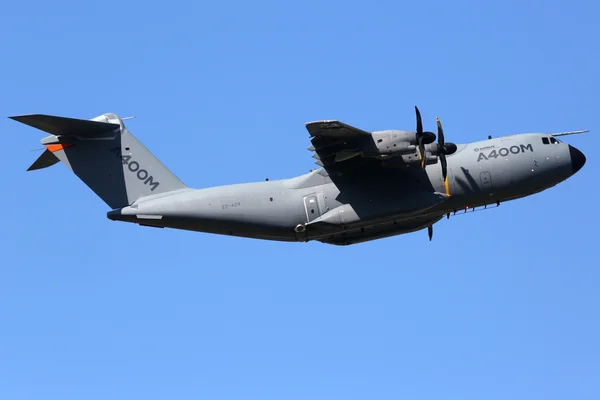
x: 104, y: 155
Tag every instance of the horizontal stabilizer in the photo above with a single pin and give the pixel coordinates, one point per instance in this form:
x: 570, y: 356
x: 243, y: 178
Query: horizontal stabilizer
x: 47, y: 159
x: 68, y: 126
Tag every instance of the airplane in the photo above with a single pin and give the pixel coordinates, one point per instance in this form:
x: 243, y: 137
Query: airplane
x: 370, y: 185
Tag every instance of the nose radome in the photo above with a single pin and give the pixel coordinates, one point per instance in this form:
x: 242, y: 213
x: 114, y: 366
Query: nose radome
x: 577, y: 158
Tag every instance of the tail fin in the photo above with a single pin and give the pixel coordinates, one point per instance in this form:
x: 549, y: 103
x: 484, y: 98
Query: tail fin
x: 104, y: 155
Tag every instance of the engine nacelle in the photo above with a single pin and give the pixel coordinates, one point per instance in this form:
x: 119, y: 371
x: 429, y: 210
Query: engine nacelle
x: 415, y: 159
x: 434, y: 148
x: 389, y: 143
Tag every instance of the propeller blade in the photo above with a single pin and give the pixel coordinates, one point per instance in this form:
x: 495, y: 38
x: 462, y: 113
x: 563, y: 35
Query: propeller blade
x: 440, y: 132
x: 420, y: 137
x: 430, y: 232
x: 442, y: 158
x: 444, y: 149
x: 419, y: 122
x: 422, y: 152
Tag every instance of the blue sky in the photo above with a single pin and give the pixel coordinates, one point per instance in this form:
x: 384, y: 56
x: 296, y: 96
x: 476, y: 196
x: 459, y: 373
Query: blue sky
x: 502, y: 304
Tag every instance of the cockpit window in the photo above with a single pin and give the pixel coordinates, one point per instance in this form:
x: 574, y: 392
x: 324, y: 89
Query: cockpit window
x: 550, y: 140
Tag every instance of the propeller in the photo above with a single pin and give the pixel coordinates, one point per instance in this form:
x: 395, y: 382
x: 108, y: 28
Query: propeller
x: 443, y: 150
x: 422, y: 137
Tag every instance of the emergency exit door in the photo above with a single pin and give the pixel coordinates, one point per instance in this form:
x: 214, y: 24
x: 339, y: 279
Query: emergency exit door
x: 486, y: 180
x: 312, y: 207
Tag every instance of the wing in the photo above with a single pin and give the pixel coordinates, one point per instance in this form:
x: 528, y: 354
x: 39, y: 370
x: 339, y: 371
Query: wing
x: 334, y: 129
x: 340, y: 149
x: 334, y: 143
x: 349, y: 156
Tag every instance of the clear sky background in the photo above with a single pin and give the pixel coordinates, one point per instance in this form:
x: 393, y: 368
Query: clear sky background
x: 503, y: 304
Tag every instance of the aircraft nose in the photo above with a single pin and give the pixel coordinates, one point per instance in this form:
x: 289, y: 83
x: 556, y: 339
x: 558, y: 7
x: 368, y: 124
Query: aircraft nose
x: 577, y: 158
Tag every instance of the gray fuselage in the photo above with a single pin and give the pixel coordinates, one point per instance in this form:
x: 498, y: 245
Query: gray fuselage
x: 316, y: 206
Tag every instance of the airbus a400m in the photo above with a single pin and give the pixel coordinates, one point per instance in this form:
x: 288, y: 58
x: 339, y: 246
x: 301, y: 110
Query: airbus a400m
x: 370, y: 185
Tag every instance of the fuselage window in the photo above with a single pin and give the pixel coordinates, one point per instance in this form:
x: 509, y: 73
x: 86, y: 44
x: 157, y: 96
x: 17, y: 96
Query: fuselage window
x: 545, y: 140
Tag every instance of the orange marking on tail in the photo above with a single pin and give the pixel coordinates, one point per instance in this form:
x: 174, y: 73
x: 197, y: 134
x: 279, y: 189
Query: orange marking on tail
x: 57, y: 147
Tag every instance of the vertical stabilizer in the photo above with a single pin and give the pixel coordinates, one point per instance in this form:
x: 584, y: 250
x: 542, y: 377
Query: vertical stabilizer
x: 104, y: 155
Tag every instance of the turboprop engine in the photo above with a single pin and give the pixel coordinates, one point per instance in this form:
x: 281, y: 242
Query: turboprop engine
x: 414, y: 147
x: 391, y: 143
